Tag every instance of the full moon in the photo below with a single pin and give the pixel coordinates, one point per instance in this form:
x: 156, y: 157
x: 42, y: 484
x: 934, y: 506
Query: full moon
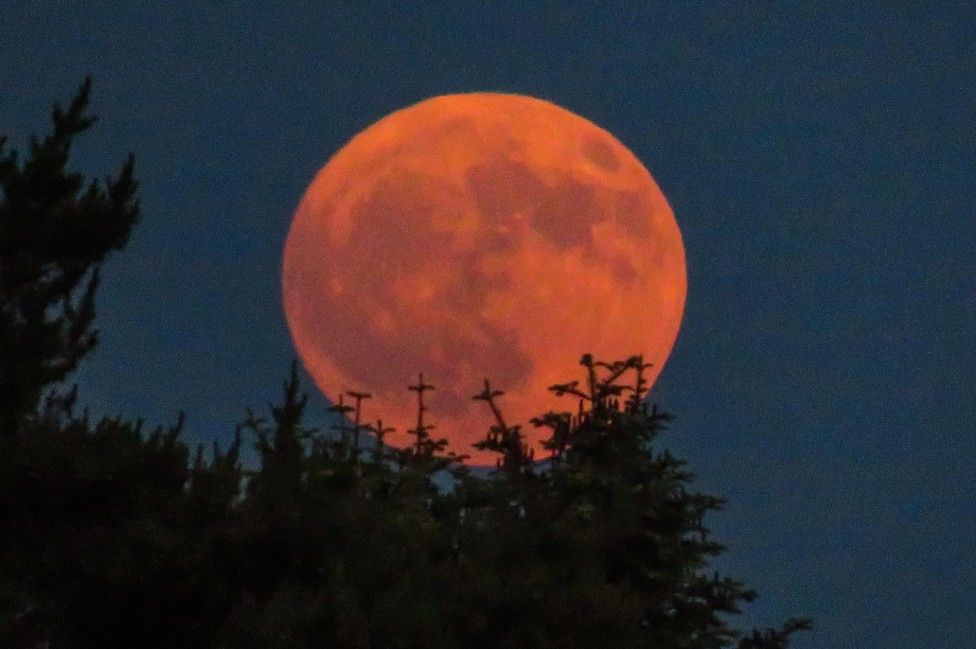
x: 475, y: 236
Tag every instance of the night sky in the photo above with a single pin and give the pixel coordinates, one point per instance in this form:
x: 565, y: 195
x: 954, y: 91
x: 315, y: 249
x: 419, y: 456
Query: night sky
x: 819, y: 160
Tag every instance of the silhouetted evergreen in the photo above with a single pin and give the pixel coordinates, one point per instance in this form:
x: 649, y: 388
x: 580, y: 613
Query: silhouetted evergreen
x: 114, y: 537
x: 109, y: 537
x: 56, y: 227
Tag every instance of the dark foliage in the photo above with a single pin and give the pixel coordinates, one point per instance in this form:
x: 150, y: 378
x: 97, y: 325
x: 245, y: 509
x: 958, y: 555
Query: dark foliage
x: 112, y: 537
x: 55, y: 230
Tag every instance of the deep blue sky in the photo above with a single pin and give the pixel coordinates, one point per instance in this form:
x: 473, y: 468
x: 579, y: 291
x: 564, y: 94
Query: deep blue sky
x: 819, y: 159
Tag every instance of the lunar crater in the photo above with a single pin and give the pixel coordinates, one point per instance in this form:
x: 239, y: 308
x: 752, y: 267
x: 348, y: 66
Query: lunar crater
x: 601, y: 154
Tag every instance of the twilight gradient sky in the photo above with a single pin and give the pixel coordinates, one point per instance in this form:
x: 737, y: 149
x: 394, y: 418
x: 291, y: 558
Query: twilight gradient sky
x: 819, y: 160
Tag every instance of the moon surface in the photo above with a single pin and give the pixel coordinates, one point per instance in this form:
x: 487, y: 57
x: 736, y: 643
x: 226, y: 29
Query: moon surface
x: 474, y: 236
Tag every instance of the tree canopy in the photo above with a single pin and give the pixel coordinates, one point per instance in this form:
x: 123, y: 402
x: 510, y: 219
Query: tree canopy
x: 115, y: 536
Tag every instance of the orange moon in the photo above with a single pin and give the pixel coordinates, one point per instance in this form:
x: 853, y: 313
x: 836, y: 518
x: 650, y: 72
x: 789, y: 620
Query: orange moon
x: 479, y: 235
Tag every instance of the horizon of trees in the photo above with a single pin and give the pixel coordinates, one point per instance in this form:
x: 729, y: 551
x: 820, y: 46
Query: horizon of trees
x: 115, y: 536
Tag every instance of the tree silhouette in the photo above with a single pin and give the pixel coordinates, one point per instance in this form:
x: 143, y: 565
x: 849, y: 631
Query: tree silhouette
x: 56, y: 228
x: 108, y: 536
x: 111, y: 536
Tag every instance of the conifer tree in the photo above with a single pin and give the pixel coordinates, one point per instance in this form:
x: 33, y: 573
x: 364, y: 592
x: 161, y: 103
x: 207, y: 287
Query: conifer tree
x: 281, y: 446
x: 108, y: 537
x: 609, y: 506
x: 56, y: 228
